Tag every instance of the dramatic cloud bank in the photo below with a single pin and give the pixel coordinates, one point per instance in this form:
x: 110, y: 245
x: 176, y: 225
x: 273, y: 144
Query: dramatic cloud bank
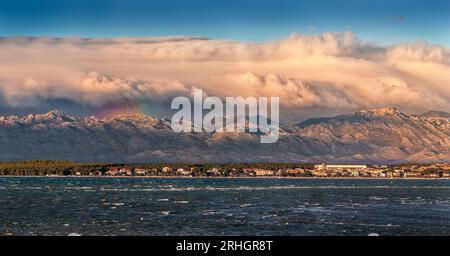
x: 314, y: 75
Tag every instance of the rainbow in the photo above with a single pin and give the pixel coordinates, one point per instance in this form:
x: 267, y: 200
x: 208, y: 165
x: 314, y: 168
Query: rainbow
x: 123, y: 109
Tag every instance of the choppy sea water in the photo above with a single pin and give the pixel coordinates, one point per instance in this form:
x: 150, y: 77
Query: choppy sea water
x: 157, y: 206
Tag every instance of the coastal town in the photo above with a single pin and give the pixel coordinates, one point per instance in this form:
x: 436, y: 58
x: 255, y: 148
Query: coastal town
x: 306, y: 170
x: 321, y: 170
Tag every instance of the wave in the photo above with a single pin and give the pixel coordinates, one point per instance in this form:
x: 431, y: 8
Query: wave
x: 211, y: 188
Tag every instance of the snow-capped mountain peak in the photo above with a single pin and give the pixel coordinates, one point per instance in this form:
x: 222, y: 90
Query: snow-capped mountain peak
x: 387, y: 111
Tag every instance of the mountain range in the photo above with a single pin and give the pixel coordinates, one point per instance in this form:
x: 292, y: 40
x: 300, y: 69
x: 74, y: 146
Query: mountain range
x: 383, y: 136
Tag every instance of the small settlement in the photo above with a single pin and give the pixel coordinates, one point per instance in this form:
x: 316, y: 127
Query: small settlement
x: 321, y: 170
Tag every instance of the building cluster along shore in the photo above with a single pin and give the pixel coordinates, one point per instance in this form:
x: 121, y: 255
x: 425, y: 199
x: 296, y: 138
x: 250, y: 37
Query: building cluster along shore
x: 66, y: 168
x: 322, y: 170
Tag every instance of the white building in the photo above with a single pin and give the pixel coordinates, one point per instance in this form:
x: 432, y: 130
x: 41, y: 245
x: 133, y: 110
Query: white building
x: 332, y: 167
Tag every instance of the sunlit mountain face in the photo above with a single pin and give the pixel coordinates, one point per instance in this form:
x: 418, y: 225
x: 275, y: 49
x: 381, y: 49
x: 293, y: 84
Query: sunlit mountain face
x: 382, y: 136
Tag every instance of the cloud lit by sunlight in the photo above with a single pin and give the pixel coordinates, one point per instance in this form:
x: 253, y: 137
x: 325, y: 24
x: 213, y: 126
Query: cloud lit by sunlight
x: 313, y: 75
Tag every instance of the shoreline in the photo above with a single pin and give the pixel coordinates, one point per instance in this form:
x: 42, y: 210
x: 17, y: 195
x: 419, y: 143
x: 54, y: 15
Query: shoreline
x: 200, y: 177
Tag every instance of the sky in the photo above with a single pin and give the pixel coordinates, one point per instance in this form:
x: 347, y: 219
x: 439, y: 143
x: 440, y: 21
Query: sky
x: 382, y: 21
x: 322, y: 58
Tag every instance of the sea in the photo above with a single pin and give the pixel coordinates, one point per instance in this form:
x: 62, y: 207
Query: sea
x: 82, y: 206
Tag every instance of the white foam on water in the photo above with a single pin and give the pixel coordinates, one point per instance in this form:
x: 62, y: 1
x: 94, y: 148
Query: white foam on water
x: 74, y: 234
x: 165, y: 213
x: 257, y: 188
x: 377, y: 198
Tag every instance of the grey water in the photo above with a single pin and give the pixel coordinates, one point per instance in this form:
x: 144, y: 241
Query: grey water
x: 181, y: 206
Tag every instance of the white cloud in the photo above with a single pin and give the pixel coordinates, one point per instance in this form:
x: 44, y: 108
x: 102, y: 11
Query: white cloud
x: 313, y: 75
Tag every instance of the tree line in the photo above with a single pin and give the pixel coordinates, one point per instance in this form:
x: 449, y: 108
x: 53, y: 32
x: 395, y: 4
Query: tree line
x: 65, y: 168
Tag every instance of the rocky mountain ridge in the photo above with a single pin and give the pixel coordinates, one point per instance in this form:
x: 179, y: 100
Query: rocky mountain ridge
x: 385, y: 135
